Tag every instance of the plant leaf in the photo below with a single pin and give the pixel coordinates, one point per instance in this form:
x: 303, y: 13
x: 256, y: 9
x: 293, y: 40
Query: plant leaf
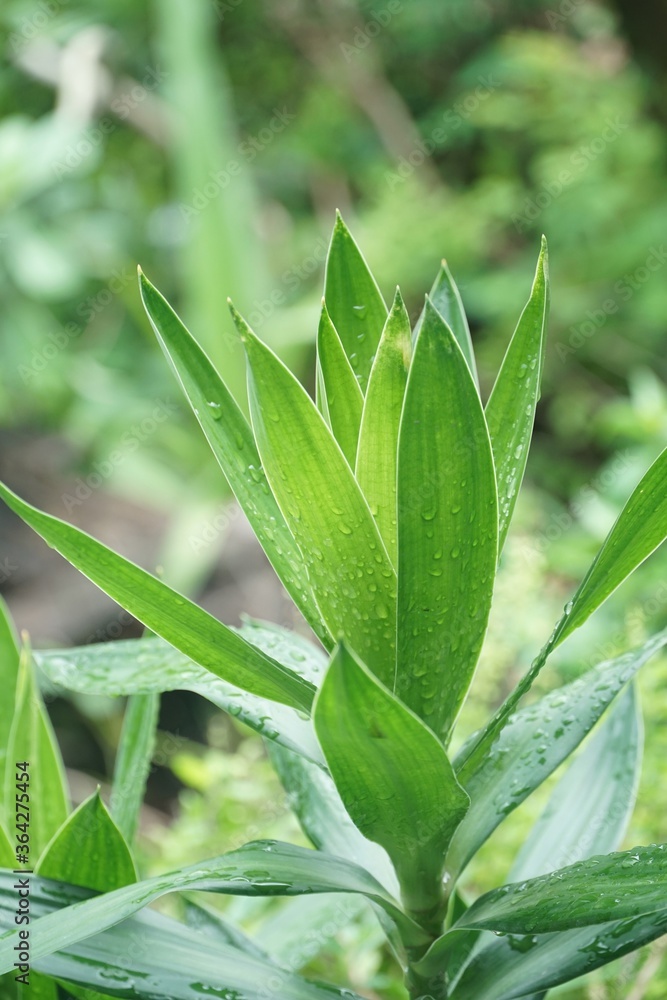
x: 589, y: 809
x: 211, y: 923
x: 262, y: 868
x: 233, y: 445
x: 377, y: 455
x: 133, y: 762
x: 9, y: 670
x: 534, y: 742
x: 350, y: 573
x: 353, y: 300
x: 447, y: 529
x: 510, y: 410
x: 446, y: 298
x: 89, y: 850
x: 179, y: 621
x: 32, y: 740
x: 392, y: 774
x: 151, y: 955
x: 344, y: 398
x: 142, y: 666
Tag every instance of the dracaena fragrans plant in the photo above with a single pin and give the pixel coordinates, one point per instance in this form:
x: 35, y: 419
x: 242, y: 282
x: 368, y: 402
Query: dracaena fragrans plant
x: 383, y: 506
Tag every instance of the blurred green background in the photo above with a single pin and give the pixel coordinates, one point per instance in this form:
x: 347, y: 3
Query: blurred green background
x: 210, y: 141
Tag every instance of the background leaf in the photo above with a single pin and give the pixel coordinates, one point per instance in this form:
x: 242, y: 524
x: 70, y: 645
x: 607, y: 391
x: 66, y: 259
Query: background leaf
x: 9, y: 669
x: 133, y: 761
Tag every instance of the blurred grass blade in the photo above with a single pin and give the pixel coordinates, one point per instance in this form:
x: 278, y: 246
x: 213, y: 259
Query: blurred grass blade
x: 89, y: 850
x: 354, y: 301
x: 151, y: 955
x: 392, y: 774
x: 344, y: 399
x: 351, y: 576
x: 133, y: 761
x: 187, y: 626
x: 145, y: 666
x: 315, y: 800
x: 446, y: 298
x: 378, y: 439
x: 212, y: 924
x: 32, y: 741
x: 510, y: 410
x: 9, y: 670
x: 590, y: 807
x: 447, y: 529
x: 262, y: 868
x: 233, y: 445
x: 518, y: 762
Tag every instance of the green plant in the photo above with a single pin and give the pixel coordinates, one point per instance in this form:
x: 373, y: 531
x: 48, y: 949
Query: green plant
x: 383, y: 509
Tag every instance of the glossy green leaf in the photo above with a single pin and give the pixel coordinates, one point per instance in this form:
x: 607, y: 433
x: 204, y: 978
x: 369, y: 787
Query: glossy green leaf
x: 377, y: 455
x: 150, y: 955
x: 392, y: 774
x: 447, y: 529
x: 534, y: 742
x: 32, y: 741
x: 315, y: 800
x: 344, y: 399
x: 212, y: 924
x: 182, y: 623
x: 263, y: 868
x: 350, y: 573
x: 230, y: 437
x: 446, y: 298
x: 143, y: 666
x: 354, y: 301
x: 89, y: 850
x: 133, y: 761
x: 9, y: 669
x: 510, y: 410
x: 590, y: 807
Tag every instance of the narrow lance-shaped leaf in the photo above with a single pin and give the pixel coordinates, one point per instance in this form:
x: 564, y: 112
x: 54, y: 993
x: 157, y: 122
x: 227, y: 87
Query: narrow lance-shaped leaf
x: 89, y: 850
x: 589, y: 809
x: 133, y: 761
x: 344, y: 399
x: 167, y: 613
x: 351, y: 575
x: 392, y: 774
x: 230, y: 437
x: 534, y: 742
x: 510, y: 410
x: 447, y: 528
x: 446, y: 298
x: 354, y: 300
x: 32, y: 742
x: 263, y: 868
x: 213, y: 925
x: 9, y: 669
x: 378, y: 438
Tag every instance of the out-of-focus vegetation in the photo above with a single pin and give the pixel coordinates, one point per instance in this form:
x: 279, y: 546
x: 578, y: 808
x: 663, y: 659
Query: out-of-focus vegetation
x: 211, y: 140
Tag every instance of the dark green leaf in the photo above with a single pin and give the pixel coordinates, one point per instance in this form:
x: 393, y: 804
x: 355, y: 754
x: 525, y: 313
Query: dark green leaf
x: 354, y: 301
x: 344, y: 399
x: 378, y: 439
x: 392, y: 774
x: 167, y: 613
x: 447, y: 529
x: 510, y: 411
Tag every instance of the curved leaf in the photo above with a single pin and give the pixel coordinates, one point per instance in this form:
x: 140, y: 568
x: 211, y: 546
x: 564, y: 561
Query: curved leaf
x: 447, y: 529
x: 350, y: 573
x: 133, y: 761
x: 182, y: 623
x: 392, y: 774
x: 377, y: 456
x: 344, y: 399
x: 354, y: 300
x: 534, y: 742
x: 510, y: 410
x: 231, y: 439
